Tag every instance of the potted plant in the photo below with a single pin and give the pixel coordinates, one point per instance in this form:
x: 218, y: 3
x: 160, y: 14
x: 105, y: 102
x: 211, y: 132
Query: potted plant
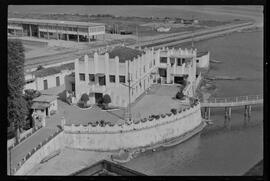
x: 174, y: 111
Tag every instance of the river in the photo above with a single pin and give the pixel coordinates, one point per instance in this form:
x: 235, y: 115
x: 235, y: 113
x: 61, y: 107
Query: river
x: 217, y: 150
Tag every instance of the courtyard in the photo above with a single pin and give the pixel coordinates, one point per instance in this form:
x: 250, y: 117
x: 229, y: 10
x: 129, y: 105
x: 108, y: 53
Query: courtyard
x: 159, y: 99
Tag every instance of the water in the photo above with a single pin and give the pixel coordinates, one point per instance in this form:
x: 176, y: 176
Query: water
x: 217, y: 150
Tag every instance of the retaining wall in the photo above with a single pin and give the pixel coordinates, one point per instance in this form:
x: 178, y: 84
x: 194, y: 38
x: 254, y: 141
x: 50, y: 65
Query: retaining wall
x: 145, y: 133
x: 51, y: 144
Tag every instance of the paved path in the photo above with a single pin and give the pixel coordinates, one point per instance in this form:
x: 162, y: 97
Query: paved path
x: 21, y: 150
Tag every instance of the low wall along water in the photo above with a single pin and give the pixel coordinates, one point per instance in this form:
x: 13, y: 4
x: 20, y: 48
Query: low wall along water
x: 146, y: 132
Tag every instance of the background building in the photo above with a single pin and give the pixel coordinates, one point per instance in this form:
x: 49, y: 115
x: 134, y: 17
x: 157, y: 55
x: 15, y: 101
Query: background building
x: 55, y: 29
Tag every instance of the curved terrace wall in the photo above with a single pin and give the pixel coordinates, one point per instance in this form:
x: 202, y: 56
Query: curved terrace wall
x: 145, y: 133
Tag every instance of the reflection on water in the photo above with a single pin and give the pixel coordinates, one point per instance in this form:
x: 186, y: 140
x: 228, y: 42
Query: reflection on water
x: 217, y: 150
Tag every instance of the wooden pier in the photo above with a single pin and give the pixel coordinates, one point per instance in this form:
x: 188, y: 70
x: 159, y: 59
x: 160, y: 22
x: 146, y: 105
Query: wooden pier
x: 228, y: 103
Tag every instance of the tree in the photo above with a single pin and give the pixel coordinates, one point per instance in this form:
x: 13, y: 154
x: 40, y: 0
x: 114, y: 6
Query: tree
x: 106, y: 100
x: 17, y: 106
x: 84, y: 98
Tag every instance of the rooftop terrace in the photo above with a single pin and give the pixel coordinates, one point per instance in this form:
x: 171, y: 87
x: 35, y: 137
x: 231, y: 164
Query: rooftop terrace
x: 124, y: 53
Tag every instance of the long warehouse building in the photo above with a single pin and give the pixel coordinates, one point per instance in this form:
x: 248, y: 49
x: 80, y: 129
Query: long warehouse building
x: 55, y: 29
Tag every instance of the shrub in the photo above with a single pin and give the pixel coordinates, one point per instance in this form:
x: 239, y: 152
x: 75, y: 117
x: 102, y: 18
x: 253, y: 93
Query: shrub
x: 107, y: 99
x: 174, y: 111
x: 84, y: 98
x: 40, y: 67
x: 179, y: 95
x: 163, y: 116
x: 159, y: 80
x: 157, y: 116
x: 168, y: 114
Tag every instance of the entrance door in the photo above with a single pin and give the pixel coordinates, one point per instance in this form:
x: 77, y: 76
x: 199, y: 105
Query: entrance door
x: 47, y: 112
x: 45, y: 84
x: 178, y: 80
x: 72, y: 87
x: 98, y: 96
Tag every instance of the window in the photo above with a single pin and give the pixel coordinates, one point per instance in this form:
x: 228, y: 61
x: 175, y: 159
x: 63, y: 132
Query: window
x: 197, y: 60
x: 91, y: 77
x: 163, y: 59
x: 154, y: 62
x: 122, y: 79
x: 112, y: 78
x: 45, y: 84
x: 179, y: 63
x: 102, y: 80
x: 183, y: 60
x: 57, y: 81
x: 82, y: 77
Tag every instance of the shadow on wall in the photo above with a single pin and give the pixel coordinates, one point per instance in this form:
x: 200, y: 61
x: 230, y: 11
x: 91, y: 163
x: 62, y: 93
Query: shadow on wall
x: 62, y: 96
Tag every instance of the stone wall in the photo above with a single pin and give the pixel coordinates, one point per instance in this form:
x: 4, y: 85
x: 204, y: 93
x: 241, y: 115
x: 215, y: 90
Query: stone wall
x: 144, y: 133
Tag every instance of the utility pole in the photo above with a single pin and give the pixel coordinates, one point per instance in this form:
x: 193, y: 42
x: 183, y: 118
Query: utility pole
x: 137, y: 34
x: 129, y: 108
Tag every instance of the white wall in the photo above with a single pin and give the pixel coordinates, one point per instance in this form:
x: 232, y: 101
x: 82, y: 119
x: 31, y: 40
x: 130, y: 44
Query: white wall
x: 134, y: 135
x: 51, y: 79
x: 203, y: 61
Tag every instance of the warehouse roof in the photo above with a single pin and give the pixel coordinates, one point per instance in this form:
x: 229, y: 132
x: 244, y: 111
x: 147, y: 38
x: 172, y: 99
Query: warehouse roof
x: 59, y: 22
x: 53, y: 70
x: 124, y: 53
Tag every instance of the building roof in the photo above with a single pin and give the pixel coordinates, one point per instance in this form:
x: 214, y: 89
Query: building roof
x: 124, y: 53
x: 53, y: 70
x: 200, y: 54
x: 58, y: 22
x: 40, y: 105
x: 107, y: 168
x: 45, y: 98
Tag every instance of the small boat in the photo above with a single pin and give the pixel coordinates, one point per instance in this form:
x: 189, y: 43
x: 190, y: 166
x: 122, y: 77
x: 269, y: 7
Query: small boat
x: 215, y: 61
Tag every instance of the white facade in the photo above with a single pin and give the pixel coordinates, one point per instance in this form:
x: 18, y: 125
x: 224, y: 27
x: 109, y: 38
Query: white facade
x: 203, y: 60
x: 144, y: 70
x: 37, y: 83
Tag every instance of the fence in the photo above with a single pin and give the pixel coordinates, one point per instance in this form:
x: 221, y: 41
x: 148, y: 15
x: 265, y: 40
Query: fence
x: 12, y: 142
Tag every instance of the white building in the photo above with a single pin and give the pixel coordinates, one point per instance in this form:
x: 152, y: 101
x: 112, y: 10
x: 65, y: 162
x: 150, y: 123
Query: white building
x: 107, y: 73
x: 202, y: 60
x: 163, y: 29
x: 48, y: 77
